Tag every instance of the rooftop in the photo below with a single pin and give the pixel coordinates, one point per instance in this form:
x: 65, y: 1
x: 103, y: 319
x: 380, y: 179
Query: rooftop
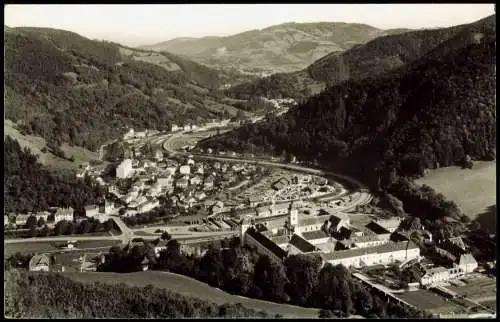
x: 377, y: 228
x: 313, y: 220
x: 389, y: 223
x: 354, y: 252
x: 302, y: 244
x: 316, y: 234
x: 267, y: 243
x: 283, y: 239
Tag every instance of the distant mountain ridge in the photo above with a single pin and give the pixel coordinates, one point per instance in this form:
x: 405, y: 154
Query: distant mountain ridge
x: 281, y: 48
x: 376, y: 57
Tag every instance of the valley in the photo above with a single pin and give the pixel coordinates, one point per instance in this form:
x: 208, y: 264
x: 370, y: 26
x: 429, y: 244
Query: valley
x: 315, y: 169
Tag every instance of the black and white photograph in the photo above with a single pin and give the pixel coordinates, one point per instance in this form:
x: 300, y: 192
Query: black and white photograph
x: 235, y: 161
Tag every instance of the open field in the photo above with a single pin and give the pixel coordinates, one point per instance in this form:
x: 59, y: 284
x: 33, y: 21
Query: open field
x: 40, y: 247
x: 474, y: 190
x: 479, y: 288
x: 36, y: 144
x: 191, y: 287
x: 431, y: 302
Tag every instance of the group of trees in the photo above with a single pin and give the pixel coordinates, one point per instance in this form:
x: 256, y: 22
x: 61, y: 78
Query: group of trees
x: 29, y: 187
x: 274, y: 86
x: 300, y: 280
x: 34, y: 295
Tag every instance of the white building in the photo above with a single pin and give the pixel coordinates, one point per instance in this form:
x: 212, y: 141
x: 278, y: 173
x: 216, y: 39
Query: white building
x: 148, y: 206
x: 64, y: 214
x: 195, y: 180
x: 175, y: 128
x: 311, y: 223
x: 129, y: 134
x: 109, y: 206
x: 368, y: 241
x: 382, y: 254
x: 184, y: 169
x: 124, y: 170
x: 91, y: 211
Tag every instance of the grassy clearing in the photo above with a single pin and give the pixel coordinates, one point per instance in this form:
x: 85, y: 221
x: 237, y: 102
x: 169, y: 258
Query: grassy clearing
x: 193, y: 288
x: 474, y: 190
x: 36, y: 144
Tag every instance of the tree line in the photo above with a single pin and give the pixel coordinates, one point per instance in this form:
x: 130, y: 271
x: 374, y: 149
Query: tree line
x: 30, y: 187
x: 49, y: 295
x: 300, y: 280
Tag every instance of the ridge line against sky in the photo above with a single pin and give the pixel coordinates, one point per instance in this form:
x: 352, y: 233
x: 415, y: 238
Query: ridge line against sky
x: 136, y: 25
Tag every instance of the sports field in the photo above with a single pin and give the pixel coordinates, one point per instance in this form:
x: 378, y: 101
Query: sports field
x: 473, y: 190
x: 191, y: 287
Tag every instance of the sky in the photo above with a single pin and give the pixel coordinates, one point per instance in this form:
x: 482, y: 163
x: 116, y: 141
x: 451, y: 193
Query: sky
x: 135, y: 24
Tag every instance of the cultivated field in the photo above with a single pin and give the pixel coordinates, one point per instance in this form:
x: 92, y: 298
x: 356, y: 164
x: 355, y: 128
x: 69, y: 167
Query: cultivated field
x: 474, y: 190
x: 191, y: 287
x: 431, y: 302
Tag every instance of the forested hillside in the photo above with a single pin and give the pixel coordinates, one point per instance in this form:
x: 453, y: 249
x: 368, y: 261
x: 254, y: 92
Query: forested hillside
x: 53, y: 296
x: 281, y: 48
x: 28, y: 186
x: 67, y: 88
x: 376, y: 57
x: 435, y: 114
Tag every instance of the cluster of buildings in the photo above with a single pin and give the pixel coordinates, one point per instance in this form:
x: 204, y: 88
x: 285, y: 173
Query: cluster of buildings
x: 57, y: 214
x: 337, y: 241
x: 188, y: 183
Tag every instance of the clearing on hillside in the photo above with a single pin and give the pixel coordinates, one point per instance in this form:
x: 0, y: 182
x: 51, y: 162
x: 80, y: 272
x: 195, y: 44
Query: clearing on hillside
x: 35, y: 144
x: 473, y: 190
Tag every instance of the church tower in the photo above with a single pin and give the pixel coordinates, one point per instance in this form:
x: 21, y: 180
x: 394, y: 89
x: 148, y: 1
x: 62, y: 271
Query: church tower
x: 293, y: 215
x: 245, y: 224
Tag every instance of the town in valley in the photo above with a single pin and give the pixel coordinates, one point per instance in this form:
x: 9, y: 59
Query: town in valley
x: 255, y: 197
